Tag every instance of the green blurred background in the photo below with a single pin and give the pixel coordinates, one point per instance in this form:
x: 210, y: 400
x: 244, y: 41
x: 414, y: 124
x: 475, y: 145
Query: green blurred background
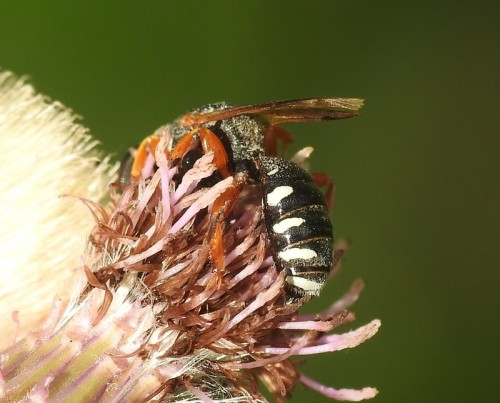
x: 416, y: 173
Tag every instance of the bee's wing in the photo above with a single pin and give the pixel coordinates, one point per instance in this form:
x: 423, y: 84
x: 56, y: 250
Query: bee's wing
x: 295, y: 110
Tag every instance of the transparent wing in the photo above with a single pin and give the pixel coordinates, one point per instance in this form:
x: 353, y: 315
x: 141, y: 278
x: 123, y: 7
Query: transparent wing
x: 295, y: 110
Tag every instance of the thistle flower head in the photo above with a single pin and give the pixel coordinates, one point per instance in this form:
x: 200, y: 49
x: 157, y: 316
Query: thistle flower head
x: 148, y: 320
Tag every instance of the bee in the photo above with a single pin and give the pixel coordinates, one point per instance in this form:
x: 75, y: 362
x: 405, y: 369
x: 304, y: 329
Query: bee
x: 295, y: 212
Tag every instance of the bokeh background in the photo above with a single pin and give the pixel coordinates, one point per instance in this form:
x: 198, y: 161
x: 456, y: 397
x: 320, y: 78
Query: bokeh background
x: 417, y: 173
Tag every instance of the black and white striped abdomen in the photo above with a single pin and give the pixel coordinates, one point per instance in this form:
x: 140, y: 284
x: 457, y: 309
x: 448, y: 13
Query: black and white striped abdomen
x: 298, y: 225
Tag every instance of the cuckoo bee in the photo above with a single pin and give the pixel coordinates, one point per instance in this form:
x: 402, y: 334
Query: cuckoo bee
x: 244, y: 141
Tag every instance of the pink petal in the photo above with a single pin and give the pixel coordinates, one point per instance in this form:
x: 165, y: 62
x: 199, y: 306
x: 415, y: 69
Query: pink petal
x: 335, y: 342
x: 206, y: 199
x: 351, y: 395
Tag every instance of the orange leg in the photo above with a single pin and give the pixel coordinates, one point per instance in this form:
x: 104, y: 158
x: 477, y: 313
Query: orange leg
x: 209, y: 143
x: 217, y: 252
x: 321, y: 179
x: 220, y: 211
x: 271, y: 136
x: 147, y: 145
x: 183, y: 145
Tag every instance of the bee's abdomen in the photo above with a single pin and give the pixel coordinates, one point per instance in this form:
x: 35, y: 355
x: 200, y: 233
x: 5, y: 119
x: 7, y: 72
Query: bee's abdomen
x: 298, y: 225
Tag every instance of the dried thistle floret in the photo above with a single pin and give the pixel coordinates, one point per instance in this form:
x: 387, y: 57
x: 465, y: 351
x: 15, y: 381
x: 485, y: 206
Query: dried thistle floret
x: 151, y: 319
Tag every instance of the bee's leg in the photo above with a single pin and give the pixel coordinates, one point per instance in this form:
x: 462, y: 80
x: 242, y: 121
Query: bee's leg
x: 147, y: 145
x: 183, y: 145
x: 271, y: 136
x: 322, y: 179
x: 220, y: 211
x: 209, y: 143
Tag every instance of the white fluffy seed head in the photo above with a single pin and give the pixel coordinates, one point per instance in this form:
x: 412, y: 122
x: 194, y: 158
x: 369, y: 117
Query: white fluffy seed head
x: 45, y: 154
